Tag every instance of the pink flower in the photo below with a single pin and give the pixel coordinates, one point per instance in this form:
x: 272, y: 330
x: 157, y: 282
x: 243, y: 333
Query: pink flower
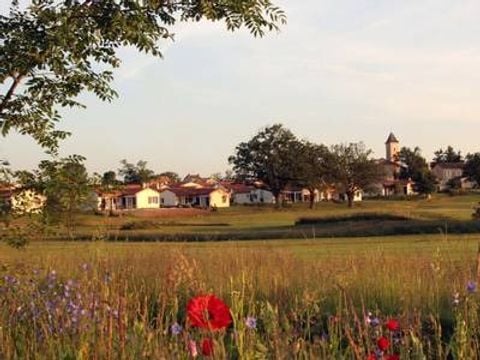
x: 192, y: 348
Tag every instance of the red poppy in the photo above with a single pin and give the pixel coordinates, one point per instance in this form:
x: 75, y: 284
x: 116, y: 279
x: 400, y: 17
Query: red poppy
x: 383, y: 343
x: 393, y: 357
x: 207, y: 347
x: 208, y: 312
x: 372, y: 357
x: 393, y: 325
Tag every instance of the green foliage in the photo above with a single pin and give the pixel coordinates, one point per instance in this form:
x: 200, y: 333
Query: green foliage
x: 271, y: 157
x: 415, y: 168
x: 171, y: 176
x: 66, y: 185
x: 53, y: 50
x: 314, y: 172
x: 449, y: 155
x: 352, y: 169
x: 135, y: 174
x: 472, y: 167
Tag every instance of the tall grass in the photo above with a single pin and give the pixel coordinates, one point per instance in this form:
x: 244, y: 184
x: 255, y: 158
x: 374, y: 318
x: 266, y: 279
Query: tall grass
x: 119, y: 301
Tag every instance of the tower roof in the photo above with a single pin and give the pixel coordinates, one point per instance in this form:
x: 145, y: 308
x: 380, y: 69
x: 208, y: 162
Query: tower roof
x: 391, y: 139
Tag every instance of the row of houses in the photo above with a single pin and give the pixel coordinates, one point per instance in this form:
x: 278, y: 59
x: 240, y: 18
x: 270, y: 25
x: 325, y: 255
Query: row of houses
x: 203, y: 193
x: 147, y: 197
x: 195, y: 191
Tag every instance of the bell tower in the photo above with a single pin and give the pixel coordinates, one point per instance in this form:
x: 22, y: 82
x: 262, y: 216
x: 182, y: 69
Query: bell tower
x: 393, y: 148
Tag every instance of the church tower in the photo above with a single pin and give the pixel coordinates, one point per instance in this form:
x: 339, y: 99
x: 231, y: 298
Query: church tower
x: 393, y: 148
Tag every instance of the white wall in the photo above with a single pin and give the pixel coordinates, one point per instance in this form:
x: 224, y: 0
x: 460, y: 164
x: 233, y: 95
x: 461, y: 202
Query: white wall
x: 142, y: 199
x: 28, y: 201
x: 168, y: 198
x: 242, y: 198
x: 219, y: 199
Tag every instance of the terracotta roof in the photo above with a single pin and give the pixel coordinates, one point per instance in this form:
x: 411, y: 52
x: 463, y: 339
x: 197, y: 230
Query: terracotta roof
x: 191, y: 191
x: 391, y: 139
x: 241, y: 188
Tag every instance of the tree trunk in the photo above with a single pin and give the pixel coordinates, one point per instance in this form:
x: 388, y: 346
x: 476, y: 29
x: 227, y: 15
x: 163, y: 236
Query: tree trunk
x: 278, y: 199
x: 350, y: 196
x: 312, y: 198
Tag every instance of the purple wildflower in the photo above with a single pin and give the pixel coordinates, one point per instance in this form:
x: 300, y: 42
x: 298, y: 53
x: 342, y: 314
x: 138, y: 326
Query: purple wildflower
x: 251, y: 322
x: 176, y: 329
x: 374, y: 321
x: 471, y: 287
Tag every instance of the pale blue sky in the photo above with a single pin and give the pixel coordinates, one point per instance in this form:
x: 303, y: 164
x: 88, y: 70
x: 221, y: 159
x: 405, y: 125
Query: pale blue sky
x: 339, y: 71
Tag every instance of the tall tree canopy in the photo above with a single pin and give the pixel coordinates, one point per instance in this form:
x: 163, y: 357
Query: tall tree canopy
x: 315, y: 163
x: 135, y: 173
x: 53, y: 50
x: 415, y: 168
x: 449, y: 155
x: 352, y: 169
x: 269, y: 156
x: 472, y: 167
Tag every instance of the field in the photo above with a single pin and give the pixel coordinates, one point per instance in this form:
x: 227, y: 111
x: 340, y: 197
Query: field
x: 310, y: 297
x: 441, y: 214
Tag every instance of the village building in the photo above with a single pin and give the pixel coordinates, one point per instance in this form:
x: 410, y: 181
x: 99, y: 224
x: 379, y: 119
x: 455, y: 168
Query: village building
x: 447, y: 173
x: 391, y: 184
x: 195, y: 197
x: 243, y: 194
x: 22, y: 201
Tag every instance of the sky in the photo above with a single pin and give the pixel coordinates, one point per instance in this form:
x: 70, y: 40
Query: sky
x: 340, y: 71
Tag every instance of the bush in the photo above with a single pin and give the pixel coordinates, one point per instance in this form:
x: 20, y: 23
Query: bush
x: 353, y: 217
x: 139, y: 225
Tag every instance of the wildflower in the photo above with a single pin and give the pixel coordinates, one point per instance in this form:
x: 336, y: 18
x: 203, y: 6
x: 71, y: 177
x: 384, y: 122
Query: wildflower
x: 208, y: 312
x: 374, y: 322
x: 393, y: 325
x: 192, y: 348
x: 176, y: 329
x: 207, y: 347
x: 471, y: 287
x: 383, y: 343
x: 456, y: 299
x: 251, y: 322
x: 393, y: 357
x: 85, y: 267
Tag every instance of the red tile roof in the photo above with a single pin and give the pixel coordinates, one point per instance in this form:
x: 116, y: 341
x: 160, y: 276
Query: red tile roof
x: 191, y: 191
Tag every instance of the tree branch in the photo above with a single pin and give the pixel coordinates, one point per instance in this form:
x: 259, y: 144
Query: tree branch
x: 10, y: 92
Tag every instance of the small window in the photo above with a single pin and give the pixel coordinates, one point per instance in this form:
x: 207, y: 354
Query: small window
x: 153, y: 200
x: 224, y: 199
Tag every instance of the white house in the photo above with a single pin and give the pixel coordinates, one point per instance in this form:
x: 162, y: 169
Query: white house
x: 204, y: 197
x: 248, y: 194
x: 22, y: 201
x: 137, y: 197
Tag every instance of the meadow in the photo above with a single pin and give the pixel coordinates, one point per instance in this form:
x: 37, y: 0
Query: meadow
x: 382, y: 297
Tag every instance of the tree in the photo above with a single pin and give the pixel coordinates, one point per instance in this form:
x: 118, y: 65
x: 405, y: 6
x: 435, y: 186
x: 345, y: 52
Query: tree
x: 415, y: 168
x: 352, y: 169
x: 172, y: 176
x: 53, y: 50
x: 135, y: 173
x: 65, y: 184
x: 109, y: 179
x: 447, y: 156
x: 315, y: 163
x: 472, y: 167
x: 270, y: 156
